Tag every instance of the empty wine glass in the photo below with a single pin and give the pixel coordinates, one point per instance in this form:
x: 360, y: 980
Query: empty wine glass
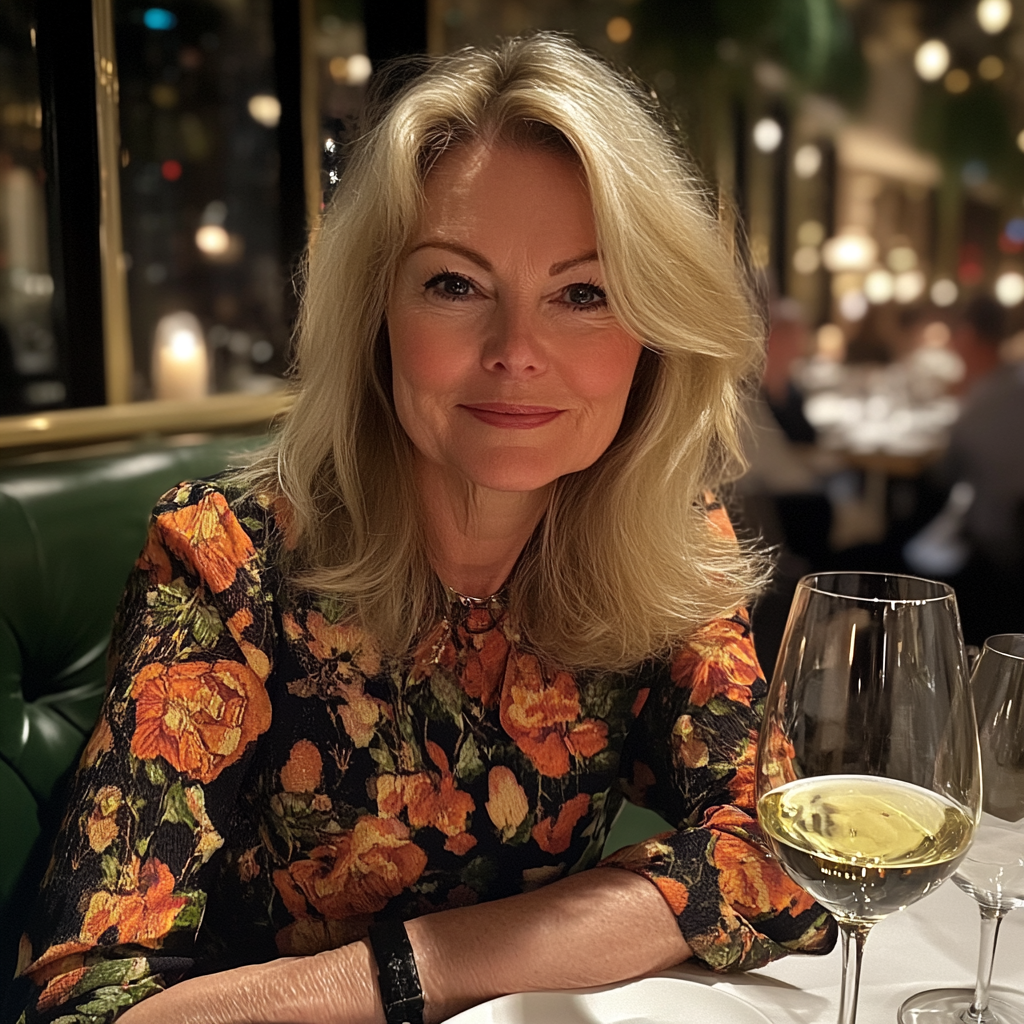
x: 993, y: 870
x: 868, y: 769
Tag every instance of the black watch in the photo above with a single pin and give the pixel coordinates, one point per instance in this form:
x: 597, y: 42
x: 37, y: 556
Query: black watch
x: 397, y: 976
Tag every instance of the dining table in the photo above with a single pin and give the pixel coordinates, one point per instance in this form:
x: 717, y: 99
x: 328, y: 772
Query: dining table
x: 931, y: 944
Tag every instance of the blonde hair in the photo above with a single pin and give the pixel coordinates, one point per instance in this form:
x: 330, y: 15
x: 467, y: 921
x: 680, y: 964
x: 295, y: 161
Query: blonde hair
x: 624, y: 564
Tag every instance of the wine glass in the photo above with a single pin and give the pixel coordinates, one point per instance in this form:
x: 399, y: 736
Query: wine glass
x: 868, y: 769
x: 993, y: 870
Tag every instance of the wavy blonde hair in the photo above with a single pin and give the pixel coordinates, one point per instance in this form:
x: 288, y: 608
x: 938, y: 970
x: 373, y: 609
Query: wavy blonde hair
x: 624, y: 564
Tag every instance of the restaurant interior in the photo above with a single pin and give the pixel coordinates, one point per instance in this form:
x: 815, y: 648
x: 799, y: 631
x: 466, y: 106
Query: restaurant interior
x: 163, y: 166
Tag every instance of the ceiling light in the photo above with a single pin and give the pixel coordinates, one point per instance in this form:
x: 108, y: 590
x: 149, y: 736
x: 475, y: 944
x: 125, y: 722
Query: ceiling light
x: 767, y: 135
x: 932, y: 59
x: 994, y: 15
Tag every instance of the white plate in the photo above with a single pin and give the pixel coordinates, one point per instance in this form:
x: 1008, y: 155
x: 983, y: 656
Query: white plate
x: 648, y: 1001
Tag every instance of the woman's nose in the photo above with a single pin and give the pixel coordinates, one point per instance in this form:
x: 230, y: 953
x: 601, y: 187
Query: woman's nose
x: 514, y: 343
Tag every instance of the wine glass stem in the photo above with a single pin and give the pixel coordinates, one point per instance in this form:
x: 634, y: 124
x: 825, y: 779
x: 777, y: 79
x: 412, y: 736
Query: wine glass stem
x: 991, y: 919
x: 854, y: 937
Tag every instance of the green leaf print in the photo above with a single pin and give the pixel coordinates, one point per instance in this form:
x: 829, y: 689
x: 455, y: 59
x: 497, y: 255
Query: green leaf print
x: 469, y: 765
x: 177, y: 607
x: 254, y: 524
x: 176, y: 808
x: 155, y: 773
x: 479, y: 874
x: 447, y: 693
x: 383, y: 757
x: 190, y: 917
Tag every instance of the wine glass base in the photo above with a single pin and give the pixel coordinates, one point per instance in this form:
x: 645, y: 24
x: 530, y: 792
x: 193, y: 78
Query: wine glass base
x: 950, y: 1006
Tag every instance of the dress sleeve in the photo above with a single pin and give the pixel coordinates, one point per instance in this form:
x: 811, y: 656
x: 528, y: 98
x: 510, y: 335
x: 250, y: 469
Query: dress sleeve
x: 690, y: 757
x: 150, y: 804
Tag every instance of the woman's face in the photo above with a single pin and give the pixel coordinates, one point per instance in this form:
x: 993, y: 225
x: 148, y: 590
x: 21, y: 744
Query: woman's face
x: 508, y: 368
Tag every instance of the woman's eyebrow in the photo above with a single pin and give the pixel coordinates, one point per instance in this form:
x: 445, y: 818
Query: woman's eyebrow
x: 563, y: 265
x: 461, y: 250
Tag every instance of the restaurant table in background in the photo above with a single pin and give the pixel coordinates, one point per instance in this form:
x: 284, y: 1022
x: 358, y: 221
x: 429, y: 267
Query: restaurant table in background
x: 932, y: 944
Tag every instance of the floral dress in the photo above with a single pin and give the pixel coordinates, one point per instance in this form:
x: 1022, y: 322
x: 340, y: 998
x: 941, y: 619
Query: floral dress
x: 262, y: 782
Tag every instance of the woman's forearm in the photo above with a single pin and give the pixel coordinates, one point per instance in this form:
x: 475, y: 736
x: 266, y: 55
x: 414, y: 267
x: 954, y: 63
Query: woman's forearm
x: 593, y: 928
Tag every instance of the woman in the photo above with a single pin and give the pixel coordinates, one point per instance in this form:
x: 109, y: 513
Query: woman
x: 406, y: 667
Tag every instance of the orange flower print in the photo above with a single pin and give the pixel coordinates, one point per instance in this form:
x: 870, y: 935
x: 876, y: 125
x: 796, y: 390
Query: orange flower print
x: 676, y: 894
x: 687, y: 743
x: 436, y: 648
x: 753, y: 885
x: 255, y: 658
x: 356, y: 649
x: 59, y: 988
x: 555, y: 836
x: 460, y: 844
x: 101, y: 827
x: 507, y: 806
x: 428, y: 800
x: 304, y: 769
x: 198, y: 717
x: 588, y: 738
x: 717, y: 661
x: 358, y: 872
x: 359, y: 713
x: 741, y: 785
x: 207, y: 537
x: 154, y: 558
x: 143, y: 916
x: 100, y: 742
x: 535, y: 712
x: 486, y: 660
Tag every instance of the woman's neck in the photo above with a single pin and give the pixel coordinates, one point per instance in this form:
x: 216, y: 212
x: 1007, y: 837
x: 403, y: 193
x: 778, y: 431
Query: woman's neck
x: 474, y: 534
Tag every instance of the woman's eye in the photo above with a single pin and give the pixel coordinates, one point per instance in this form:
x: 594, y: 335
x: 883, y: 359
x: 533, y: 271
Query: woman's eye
x: 584, y: 295
x: 449, y: 285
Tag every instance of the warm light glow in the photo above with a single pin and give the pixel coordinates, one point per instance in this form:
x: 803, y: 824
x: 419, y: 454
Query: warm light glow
x: 213, y: 240
x: 359, y: 69
x: 1010, y: 288
x: 811, y: 232
x: 806, y: 259
x: 1020, y: 141
x: 908, y: 286
x: 807, y: 160
x: 849, y: 251
x: 831, y: 342
x: 936, y: 334
x: 944, y: 292
x: 183, y: 346
x: 767, y: 135
x: 180, y: 364
x: 338, y: 69
x: 901, y: 258
x: 878, y: 286
x: 990, y: 68
x: 932, y: 59
x: 957, y: 81
x: 265, y: 109
x: 994, y: 15
x: 853, y: 306
x: 619, y: 29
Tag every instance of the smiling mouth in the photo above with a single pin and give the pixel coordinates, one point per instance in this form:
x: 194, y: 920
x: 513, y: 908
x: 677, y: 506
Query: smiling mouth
x: 513, y: 417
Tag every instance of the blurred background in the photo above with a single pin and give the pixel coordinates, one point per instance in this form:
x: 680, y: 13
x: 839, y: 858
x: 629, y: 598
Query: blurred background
x: 161, y: 167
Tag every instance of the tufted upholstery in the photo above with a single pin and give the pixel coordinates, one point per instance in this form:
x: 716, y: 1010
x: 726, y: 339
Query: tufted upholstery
x: 69, y: 533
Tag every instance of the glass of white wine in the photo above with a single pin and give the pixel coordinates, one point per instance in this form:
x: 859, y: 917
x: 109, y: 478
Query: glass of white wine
x: 868, y: 768
x: 993, y: 870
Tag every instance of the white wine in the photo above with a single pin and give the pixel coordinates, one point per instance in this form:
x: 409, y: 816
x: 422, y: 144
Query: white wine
x: 864, y: 846
x: 993, y: 870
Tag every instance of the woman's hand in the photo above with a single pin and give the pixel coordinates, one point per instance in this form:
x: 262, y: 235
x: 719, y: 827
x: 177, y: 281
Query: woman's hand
x: 593, y: 928
x: 336, y: 987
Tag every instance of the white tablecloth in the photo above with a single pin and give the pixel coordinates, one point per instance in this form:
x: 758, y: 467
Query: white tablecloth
x: 932, y: 944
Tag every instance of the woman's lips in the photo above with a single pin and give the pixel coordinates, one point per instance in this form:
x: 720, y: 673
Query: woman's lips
x: 513, y: 417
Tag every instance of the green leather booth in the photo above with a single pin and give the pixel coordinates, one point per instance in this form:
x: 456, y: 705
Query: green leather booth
x: 69, y: 533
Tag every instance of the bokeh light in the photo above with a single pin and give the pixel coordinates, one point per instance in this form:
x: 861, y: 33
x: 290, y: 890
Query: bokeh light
x: 767, y: 135
x: 931, y: 60
x: 1010, y: 288
x: 994, y: 15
